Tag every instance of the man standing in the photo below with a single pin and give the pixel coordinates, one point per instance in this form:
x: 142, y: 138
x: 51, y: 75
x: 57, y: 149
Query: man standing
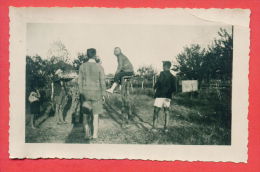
x: 124, y: 68
x: 92, y: 87
x: 164, y: 88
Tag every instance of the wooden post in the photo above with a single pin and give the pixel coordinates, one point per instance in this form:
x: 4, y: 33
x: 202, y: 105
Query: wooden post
x: 153, y: 80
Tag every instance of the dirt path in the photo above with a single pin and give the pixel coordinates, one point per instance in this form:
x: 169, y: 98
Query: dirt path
x: 187, y: 126
x: 111, y: 130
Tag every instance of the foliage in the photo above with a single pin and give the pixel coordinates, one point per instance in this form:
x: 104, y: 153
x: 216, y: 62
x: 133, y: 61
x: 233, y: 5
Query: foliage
x: 58, y: 52
x: 39, y: 72
x: 215, y: 62
x: 190, y: 62
x: 146, y: 72
x: 82, y: 58
x: 218, y: 58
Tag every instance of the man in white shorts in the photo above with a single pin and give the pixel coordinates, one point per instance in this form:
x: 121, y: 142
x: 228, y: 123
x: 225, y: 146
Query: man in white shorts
x: 164, y: 88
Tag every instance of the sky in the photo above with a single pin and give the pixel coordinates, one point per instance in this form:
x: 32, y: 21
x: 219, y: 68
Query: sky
x: 142, y: 44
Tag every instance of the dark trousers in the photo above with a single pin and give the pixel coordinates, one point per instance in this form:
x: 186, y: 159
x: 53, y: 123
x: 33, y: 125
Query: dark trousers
x: 120, y: 75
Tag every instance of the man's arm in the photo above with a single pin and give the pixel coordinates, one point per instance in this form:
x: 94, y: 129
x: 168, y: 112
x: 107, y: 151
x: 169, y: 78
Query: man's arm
x: 80, y: 79
x: 120, y: 64
x: 174, y: 89
x: 63, y: 84
x: 52, y: 90
x: 156, y: 85
x: 102, y: 81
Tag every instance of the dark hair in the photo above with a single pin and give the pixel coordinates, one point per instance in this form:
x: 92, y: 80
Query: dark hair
x: 167, y: 64
x: 91, y: 52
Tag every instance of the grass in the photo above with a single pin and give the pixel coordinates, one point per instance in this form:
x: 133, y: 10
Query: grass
x: 200, y: 120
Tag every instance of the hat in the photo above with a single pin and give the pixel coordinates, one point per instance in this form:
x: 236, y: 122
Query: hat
x: 59, y: 71
x: 91, y: 52
x: 167, y: 63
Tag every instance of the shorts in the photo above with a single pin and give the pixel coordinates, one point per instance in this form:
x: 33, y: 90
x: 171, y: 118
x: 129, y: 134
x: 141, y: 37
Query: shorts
x: 59, y: 100
x: 35, y: 107
x: 162, y: 102
x: 94, y: 106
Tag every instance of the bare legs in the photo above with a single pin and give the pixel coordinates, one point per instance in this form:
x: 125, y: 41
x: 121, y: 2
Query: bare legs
x: 59, y: 115
x: 111, y: 90
x: 166, y: 118
x: 32, y: 121
x: 95, y: 126
x: 156, y: 115
x: 87, y: 125
x: 90, y: 123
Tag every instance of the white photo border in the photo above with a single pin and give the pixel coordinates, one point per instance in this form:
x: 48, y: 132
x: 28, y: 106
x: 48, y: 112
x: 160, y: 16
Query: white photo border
x: 236, y: 152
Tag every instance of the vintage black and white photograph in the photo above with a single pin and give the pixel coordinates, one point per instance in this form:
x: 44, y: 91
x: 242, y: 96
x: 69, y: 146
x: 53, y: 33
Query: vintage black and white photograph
x: 129, y: 83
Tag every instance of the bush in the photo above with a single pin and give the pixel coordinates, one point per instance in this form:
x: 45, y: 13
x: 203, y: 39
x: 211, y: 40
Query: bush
x: 146, y: 91
x: 214, y: 105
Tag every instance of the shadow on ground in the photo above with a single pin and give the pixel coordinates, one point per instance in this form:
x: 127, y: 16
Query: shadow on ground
x: 76, y: 135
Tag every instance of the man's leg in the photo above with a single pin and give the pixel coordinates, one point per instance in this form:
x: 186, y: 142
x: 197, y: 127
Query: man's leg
x: 116, y: 83
x: 86, y: 126
x: 117, y: 79
x: 155, y: 116
x: 166, y: 118
x: 60, y: 115
x: 57, y: 112
x: 33, y: 121
x: 95, y: 125
x: 87, y: 119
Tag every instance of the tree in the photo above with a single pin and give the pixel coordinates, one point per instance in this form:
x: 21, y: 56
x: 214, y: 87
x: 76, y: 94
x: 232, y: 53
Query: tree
x: 37, y: 71
x: 190, y: 62
x: 58, y: 52
x: 215, y: 62
x: 40, y: 72
x: 82, y: 58
x: 146, y: 72
x: 218, y: 58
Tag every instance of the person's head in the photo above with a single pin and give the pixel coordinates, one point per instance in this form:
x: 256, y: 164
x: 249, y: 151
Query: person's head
x: 91, y: 53
x: 117, y: 51
x: 166, y: 65
x: 98, y: 60
x: 34, y: 86
x: 59, y: 72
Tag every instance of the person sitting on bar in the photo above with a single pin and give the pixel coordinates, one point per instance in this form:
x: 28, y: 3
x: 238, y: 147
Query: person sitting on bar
x: 124, y: 68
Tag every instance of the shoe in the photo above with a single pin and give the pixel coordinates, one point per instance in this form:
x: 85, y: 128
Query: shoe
x: 109, y: 91
x: 166, y: 130
x: 88, y: 137
x: 154, y: 130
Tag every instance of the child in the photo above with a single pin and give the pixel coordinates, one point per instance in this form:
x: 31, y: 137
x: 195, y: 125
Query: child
x: 58, y: 96
x: 34, y: 99
x: 92, y: 87
x: 164, y: 88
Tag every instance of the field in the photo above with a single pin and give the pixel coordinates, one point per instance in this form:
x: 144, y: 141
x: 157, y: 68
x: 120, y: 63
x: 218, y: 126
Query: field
x: 195, y: 119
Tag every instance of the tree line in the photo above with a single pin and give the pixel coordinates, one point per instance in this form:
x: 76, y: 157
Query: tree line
x: 204, y: 64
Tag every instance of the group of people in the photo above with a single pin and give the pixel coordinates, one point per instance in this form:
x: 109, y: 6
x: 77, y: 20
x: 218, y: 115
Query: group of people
x: 92, y: 91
